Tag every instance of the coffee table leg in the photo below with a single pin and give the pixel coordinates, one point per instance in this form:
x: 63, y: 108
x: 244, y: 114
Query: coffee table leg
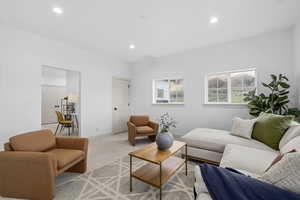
x: 130, y: 173
x: 160, y: 175
x: 186, y: 159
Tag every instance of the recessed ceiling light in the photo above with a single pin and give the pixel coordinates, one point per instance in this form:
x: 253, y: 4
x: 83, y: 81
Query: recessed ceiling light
x: 132, y: 46
x: 214, y: 20
x: 57, y: 10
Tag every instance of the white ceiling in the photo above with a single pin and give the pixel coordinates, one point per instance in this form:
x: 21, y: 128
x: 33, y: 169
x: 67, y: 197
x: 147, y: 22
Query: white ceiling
x: 156, y: 27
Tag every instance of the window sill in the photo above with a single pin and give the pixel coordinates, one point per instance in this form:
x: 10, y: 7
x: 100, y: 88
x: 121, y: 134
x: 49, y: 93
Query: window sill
x: 167, y: 103
x: 231, y: 104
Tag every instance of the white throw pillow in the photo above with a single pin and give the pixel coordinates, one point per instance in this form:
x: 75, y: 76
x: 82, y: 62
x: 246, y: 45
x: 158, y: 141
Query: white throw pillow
x: 285, y: 173
x: 291, y: 133
x: 242, y: 127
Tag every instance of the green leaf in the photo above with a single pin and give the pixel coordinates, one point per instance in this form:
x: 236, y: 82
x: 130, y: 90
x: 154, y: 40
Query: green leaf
x: 284, y: 85
x: 284, y: 102
x: 274, y: 77
x: 285, y: 78
x: 284, y: 92
x: 262, y: 95
x: 283, y: 98
x: 276, y: 101
x: 266, y: 85
x: 293, y: 111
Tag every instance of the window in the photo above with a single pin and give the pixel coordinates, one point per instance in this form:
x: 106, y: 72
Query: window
x: 229, y: 87
x: 168, y: 91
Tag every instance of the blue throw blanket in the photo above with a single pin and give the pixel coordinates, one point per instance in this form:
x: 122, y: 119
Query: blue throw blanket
x: 225, y: 184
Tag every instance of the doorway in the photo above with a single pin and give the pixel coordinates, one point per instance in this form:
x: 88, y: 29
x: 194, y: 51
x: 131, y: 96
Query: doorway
x: 60, y: 105
x: 120, y: 105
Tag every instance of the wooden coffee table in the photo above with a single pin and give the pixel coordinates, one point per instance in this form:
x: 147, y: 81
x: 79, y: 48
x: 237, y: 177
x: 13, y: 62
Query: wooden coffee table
x: 162, y: 164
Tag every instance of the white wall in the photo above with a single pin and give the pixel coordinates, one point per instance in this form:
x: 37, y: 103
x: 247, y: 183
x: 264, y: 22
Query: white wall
x: 53, y: 76
x: 51, y: 96
x: 297, y: 59
x: 73, y: 83
x: 73, y: 91
x: 53, y: 86
x: 269, y: 53
x: 21, y: 56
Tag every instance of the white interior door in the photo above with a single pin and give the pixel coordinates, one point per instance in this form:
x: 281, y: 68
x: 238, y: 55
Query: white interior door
x: 120, y: 105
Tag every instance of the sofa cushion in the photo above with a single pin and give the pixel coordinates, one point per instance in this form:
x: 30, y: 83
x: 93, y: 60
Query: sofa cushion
x: 285, y: 173
x: 293, y: 144
x: 242, y: 127
x: 66, y: 156
x: 144, y: 130
x: 36, y: 141
x: 270, y: 128
x: 292, y: 132
x: 216, y: 140
x: 278, y: 158
x: 204, y: 196
x: 139, y: 120
x: 253, y: 160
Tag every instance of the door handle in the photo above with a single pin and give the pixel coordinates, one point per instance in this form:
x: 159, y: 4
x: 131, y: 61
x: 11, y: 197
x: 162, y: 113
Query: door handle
x: 115, y: 108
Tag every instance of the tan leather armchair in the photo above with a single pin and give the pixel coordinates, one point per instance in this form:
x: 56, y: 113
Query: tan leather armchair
x: 140, y: 125
x: 31, y: 161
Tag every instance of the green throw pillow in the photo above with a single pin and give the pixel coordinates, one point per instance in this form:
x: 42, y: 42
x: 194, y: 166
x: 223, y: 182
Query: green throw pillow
x: 270, y: 128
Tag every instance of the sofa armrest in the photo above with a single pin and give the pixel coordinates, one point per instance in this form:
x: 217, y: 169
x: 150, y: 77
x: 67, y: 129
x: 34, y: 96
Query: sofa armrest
x: 154, y: 126
x: 131, y: 128
x: 7, y: 147
x: 28, y: 175
x: 72, y: 143
x: 252, y: 160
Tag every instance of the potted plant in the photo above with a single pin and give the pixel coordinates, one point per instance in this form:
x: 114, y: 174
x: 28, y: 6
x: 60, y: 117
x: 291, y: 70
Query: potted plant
x: 164, y: 138
x: 277, y: 101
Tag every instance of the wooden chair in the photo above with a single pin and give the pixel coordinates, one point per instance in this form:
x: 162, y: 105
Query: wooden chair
x: 63, y: 123
x: 141, y: 126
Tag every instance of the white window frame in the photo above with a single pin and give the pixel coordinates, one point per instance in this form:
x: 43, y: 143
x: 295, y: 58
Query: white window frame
x: 154, y: 91
x: 227, y: 73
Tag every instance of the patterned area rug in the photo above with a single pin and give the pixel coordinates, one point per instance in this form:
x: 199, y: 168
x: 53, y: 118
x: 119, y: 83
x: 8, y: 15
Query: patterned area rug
x: 111, y: 182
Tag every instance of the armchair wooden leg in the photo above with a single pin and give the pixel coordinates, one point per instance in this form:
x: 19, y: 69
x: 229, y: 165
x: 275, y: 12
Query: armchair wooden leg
x: 131, y: 141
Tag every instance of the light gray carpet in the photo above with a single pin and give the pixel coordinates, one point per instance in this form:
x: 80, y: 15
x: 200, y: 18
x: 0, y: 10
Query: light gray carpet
x: 111, y: 182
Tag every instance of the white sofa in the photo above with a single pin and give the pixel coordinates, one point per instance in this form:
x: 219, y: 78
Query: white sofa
x: 246, y: 155
x: 209, y: 144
